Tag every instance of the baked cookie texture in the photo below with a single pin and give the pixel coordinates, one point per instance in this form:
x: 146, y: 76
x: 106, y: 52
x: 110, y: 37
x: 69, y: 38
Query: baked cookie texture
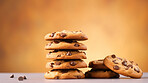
x: 96, y: 73
x: 123, y: 66
x: 66, y: 54
x: 97, y: 64
x: 73, y: 35
x: 69, y: 44
x: 66, y: 64
x: 64, y: 74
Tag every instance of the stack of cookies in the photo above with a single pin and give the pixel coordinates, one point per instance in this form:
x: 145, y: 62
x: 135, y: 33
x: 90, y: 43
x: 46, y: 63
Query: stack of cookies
x: 99, y: 70
x: 112, y: 66
x: 65, y: 55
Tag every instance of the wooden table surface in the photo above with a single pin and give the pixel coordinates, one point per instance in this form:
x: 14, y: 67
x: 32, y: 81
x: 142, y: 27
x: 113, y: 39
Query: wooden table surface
x: 39, y: 78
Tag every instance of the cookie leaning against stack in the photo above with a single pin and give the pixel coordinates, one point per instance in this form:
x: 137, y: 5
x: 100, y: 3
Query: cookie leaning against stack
x: 65, y: 57
x: 99, y: 70
x: 123, y: 66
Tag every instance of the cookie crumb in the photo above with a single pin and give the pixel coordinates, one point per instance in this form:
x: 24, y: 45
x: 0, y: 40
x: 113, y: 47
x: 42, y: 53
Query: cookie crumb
x: 25, y: 77
x: 21, y: 78
x: 12, y: 76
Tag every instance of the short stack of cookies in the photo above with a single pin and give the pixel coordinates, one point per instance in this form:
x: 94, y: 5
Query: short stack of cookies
x: 99, y: 70
x: 65, y: 55
x: 112, y: 66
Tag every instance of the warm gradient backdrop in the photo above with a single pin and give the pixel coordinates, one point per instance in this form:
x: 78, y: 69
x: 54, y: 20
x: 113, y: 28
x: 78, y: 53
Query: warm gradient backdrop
x: 113, y: 27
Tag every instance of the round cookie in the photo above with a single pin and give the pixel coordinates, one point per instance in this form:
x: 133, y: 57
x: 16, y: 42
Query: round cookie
x: 75, y: 35
x: 66, y: 54
x: 66, y: 64
x: 68, y: 44
x: 97, y: 64
x: 101, y: 74
x: 64, y: 74
x: 123, y: 66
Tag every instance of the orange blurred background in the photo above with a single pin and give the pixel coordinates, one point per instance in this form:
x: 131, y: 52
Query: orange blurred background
x: 113, y: 27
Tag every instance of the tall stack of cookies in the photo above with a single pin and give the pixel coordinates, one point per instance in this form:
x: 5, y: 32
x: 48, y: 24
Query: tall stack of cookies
x: 65, y: 55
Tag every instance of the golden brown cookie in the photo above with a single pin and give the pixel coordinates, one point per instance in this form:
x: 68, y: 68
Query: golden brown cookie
x: 101, y: 74
x: 65, y: 44
x: 74, y: 35
x: 123, y: 66
x: 64, y: 74
x: 97, y: 64
x: 65, y: 64
x: 66, y: 54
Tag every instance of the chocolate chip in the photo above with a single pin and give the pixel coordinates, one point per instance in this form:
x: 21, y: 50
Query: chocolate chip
x: 76, y: 45
x: 78, y: 76
x: 52, y: 34
x: 115, y: 61
x: 56, y: 41
x: 124, y: 63
x: 51, y: 65
x: 12, y: 76
x: 63, y: 34
x: 72, y: 63
x: 113, y: 56
x: 116, y: 67
x: 137, y: 70
x: 130, y: 66
x: 25, y: 77
x: 59, y: 56
x: 64, y: 71
x: 58, y: 63
x: 57, y: 77
x: 49, y: 53
x: 69, y: 54
x: 21, y: 78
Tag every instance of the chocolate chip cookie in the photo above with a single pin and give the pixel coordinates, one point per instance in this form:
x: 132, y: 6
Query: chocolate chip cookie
x: 123, y: 66
x: 66, y: 54
x: 97, y: 64
x: 66, y: 64
x: 96, y: 73
x: 64, y: 74
x: 74, y: 35
x: 65, y: 44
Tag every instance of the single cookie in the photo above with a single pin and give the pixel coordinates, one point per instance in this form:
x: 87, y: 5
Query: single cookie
x: 64, y: 74
x: 97, y: 64
x: 101, y: 74
x: 75, y: 35
x: 68, y: 44
x: 66, y: 54
x: 66, y: 64
x: 123, y: 66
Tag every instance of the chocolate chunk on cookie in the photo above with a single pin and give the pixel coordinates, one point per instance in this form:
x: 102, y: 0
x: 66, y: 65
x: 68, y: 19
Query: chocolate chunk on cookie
x: 123, y: 66
x: 66, y: 64
x: 64, y: 74
x: 73, y: 35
